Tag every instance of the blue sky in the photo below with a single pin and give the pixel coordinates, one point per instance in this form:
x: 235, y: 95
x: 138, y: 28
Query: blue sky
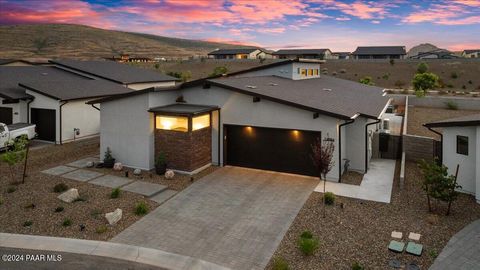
x: 336, y: 24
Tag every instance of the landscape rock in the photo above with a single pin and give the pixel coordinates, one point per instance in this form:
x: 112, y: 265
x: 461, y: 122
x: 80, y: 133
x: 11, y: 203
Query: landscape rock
x: 90, y: 164
x: 69, y: 195
x: 137, y: 172
x: 114, y: 217
x: 117, y: 166
x: 169, y: 174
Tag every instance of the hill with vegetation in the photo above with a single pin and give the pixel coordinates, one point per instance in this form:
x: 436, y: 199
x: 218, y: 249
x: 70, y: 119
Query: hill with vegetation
x: 85, y: 42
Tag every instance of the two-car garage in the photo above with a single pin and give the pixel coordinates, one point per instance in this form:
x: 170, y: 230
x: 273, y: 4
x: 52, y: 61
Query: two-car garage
x: 273, y: 149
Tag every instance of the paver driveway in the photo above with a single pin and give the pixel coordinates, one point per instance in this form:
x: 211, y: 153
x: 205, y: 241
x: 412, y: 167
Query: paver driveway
x: 234, y: 217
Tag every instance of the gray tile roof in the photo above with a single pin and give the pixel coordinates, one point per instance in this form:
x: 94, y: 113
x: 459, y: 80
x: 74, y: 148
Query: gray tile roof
x: 233, y: 51
x: 183, y: 109
x: 327, y: 94
x: 113, y: 71
x: 380, y: 50
x: 300, y: 51
x: 467, y: 120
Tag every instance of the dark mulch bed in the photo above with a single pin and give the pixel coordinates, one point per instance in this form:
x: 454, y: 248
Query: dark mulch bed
x: 361, y: 231
x: 352, y: 178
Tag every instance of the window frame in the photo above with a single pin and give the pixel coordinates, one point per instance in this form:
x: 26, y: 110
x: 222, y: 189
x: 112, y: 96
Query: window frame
x: 172, y: 116
x: 198, y: 116
x: 462, y: 150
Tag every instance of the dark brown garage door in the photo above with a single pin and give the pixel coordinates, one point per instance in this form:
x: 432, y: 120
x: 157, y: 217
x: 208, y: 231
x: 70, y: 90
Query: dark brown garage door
x: 46, y: 124
x: 271, y: 149
x: 6, y: 115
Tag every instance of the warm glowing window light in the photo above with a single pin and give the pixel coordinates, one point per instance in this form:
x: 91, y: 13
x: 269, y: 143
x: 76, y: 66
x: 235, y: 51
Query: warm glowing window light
x: 200, y: 122
x: 172, y: 123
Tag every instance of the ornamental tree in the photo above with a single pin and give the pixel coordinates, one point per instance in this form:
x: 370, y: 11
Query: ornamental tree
x: 322, y: 157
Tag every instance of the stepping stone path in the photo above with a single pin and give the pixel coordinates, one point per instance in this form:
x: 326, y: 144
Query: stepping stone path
x: 396, y: 246
x: 82, y: 175
x: 111, y: 181
x: 163, y: 196
x: 59, y: 170
x: 144, y: 188
x: 82, y: 163
x: 414, y: 236
x: 414, y: 248
x: 397, y: 235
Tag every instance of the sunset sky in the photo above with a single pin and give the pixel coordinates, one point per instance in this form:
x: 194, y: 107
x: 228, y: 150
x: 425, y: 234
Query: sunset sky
x: 340, y: 25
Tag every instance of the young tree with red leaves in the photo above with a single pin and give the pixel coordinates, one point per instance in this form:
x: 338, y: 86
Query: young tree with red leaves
x: 322, y: 157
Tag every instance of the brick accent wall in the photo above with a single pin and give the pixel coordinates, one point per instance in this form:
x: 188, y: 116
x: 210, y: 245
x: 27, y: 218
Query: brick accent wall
x: 185, y: 151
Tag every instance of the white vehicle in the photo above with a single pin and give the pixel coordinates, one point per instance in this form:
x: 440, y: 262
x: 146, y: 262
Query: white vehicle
x: 11, y: 132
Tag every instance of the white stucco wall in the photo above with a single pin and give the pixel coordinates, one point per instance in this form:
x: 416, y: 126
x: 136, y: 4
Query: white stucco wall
x: 467, y: 176
x: 355, y: 144
x: 77, y: 114
x: 19, y: 111
x: 239, y: 109
x: 140, y: 86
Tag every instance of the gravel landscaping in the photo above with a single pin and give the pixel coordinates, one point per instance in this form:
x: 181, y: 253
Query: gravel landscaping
x: 417, y: 116
x: 360, y: 232
x: 31, y: 208
x: 352, y: 178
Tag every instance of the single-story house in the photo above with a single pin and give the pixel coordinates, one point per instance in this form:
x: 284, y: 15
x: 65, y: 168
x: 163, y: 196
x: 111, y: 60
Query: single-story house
x: 126, y: 75
x: 461, y: 146
x: 265, y: 117
x: 380, y: 52
x: 54, y: 100
x: 471, y: 53
x: 321, y: 54
x: 341, y: 55
x: 249, y: 53
x: 435, y: 54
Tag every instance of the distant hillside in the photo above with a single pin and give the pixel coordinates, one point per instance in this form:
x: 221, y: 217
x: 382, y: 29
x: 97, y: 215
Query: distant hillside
x: 79, y: 41
x: 422, y: 48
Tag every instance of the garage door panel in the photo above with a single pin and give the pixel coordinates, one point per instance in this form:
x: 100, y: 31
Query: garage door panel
x: 6, y: 115
x: 44, y: 119
x: 270, y: 149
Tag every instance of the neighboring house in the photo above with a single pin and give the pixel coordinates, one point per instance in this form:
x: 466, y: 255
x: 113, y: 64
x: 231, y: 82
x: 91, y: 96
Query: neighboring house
x: 341, y: 55
x: 252, y: 53
x: 435, y: 54
x: 54, y: 100
x: 124, y: 58
x: 471, y: 53
x: 126, y: 75
x: 266, y: 117
x: 461, y: 146
x: 321, y: 54
x: 380, y: 52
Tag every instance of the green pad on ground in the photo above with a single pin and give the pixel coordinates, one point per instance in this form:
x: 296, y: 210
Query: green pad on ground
x: 414, y: 248
x: 396, y: 246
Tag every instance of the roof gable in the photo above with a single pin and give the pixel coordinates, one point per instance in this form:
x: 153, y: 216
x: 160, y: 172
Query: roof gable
x: 380, y: 50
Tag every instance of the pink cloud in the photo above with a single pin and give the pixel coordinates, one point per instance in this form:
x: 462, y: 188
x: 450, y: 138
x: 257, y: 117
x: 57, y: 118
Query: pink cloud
x: 342, y: 19
x: 359, y: 9
x: 463, y: 46
x: 472, y: 3
x: 230, y: 41
x: 270, y: 30
x: 445, y: 14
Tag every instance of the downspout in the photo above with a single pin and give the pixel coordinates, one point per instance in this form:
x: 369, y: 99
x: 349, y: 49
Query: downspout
x: 219, y: 138
x: 60, y: 124
x: 441, y: 141
x: 366, y: 142
x: 348, y: 122
x: 28, y: 110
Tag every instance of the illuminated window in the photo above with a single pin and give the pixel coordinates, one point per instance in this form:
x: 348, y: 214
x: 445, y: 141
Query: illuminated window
x: 172, y: 123
x: 200, y: 122
x: 304, y: 72
x: 310, y: 72
x: 316, y: 72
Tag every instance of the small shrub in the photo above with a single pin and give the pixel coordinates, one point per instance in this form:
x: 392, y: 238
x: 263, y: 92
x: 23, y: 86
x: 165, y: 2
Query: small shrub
x: 157, y: 66
x: 357, y: 266
x: 27, y: 223
x: 11, y: 189
x: 433, y: 253
x: 141, y: 208
x: 101, y: 229
x: 451, y: 105
x: 392, y: 62
x: 115, y: 193
x: 280, y: 263
x: 306, y: 234
x: 60, y: 188
x: 464, y: 87
x: 59, y: 209
x: 454, y: 75
x: 386, y: 76
x: 367, y: 80
x: 329, y: 198
x: 470, y: 82
x: 308, y: 246
x: 422, y: 68
x: 67, y: 222
x: 343, y: 71
x: 419, y: 93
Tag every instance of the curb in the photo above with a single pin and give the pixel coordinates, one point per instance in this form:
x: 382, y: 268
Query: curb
x: 124, y: 252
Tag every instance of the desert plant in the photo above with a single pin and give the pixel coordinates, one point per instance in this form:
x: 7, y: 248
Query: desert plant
x: 67, y: 222
x: 219, y: 71
x: 157, y: 66
x: 308, y: 246
x: 451, y: 105
x: 386, y: 76
x: 101, y: 229
x: 59, y: 209
x: 453, y: 75
x: 61, y: 187
x: 420, y: 93
x: 422, y: 68
x: 28, y: 223
x: 161, y: 164
x: 141, y: 208
x: 322, y: 157
x: 425, y: 81
x: 357, y: 266
x: 108, y: 160
x: 367, y: 80
x: 392, y: 62
x: 306, y: 234
x: 329, y: 198
x: 115, y: 193
x: 279, y: 263
x: 16, y: 153
x: 433, y: 253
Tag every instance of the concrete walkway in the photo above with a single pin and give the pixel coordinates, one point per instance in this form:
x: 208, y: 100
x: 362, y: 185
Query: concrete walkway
x: 462, y: 252
x: 95, y: 249
x: 234, y: 217
x: 376, y: 184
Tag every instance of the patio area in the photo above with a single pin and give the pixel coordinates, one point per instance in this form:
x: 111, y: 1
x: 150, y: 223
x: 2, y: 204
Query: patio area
x: 376, y: 184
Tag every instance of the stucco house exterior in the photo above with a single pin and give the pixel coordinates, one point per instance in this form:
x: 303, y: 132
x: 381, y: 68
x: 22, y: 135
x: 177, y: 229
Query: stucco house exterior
x: 461, y: 146
x: 249, y: 53
x: 471, y: 53
x: 265, y: 118
x: 321, y: 54
x: 379, y: 52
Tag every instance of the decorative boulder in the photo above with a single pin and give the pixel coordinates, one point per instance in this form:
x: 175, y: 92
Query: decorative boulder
x: 169, y: 174
x: 114, y: 217
x: 137, y: 172
x: 117, y: 166
x: 90, y: 164
x: 69, y: 195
